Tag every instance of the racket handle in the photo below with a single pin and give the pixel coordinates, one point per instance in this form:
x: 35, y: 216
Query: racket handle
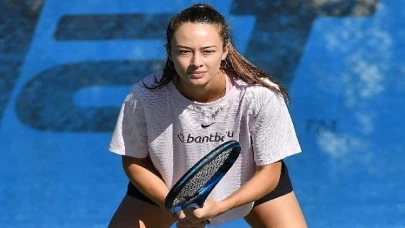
x: 194, y: 205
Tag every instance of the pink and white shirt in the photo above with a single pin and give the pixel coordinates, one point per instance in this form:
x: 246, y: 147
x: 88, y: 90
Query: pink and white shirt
x: 175, y: 132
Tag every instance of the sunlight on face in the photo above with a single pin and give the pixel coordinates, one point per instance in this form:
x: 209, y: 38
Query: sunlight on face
x: 197, y: 51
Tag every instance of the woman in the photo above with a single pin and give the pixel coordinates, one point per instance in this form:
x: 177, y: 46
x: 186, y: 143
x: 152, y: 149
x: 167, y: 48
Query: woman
x: 206, y: 94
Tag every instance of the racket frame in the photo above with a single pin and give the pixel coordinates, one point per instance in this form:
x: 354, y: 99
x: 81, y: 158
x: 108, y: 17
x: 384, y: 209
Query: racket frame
x: 197, y: 201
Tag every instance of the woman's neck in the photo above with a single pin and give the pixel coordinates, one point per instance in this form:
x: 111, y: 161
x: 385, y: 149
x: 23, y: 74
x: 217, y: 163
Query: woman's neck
x: 213, y: 91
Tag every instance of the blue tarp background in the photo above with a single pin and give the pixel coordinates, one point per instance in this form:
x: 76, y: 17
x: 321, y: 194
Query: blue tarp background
x: 66, y: 66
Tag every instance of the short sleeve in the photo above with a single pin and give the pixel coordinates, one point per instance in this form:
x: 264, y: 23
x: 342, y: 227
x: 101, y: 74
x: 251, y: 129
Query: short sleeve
x: 130, y: 133
x: 273, y: 133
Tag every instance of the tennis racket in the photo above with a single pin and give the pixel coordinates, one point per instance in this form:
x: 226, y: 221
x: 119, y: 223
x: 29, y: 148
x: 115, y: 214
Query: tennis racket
x: 193, y: 188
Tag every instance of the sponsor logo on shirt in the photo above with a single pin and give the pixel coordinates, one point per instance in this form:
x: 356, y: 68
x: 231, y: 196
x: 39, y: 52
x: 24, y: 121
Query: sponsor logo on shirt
x: 207, y: 125
x: 213, y: 137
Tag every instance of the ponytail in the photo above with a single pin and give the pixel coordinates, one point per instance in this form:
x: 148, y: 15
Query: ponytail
x: 251, y: 74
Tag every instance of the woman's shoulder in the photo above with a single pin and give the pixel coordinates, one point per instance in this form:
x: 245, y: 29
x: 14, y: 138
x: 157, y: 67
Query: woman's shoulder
x: 144, y: 88
x: 149, y: 81
x: 257, y: 91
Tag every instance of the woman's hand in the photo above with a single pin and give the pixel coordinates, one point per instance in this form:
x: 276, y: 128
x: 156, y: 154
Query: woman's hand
x: 210, y: 209
x: 198, y: 217
x: 184, y: 221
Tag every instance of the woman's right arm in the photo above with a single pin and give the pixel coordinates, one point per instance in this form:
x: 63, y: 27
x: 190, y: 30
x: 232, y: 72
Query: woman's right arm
x: 145, y: 178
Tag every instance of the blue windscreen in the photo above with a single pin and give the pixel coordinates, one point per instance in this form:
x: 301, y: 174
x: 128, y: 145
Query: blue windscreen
x: 66, y: 66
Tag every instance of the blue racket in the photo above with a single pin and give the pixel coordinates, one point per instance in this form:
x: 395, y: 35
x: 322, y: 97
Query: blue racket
x: 193, y: 188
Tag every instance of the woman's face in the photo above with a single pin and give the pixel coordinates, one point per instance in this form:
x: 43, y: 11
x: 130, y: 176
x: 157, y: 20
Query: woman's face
x: 197, y: 51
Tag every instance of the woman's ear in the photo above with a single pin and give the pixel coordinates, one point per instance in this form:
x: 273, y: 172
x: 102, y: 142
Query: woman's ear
x: 226, y: 51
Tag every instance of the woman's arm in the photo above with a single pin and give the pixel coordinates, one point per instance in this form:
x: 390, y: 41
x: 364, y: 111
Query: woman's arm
x: 264, y: 181
x: 145, y: 177
x: 147, y: 180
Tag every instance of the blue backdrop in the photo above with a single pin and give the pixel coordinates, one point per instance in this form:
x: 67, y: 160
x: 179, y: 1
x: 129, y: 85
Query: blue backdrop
x: 66, y: 66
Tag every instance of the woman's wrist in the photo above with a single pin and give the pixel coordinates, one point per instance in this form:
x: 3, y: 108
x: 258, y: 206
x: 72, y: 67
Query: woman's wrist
x: 226, y: 205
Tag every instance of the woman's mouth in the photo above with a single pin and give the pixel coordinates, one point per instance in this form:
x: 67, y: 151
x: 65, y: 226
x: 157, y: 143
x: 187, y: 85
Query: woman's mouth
x: 197, y: 74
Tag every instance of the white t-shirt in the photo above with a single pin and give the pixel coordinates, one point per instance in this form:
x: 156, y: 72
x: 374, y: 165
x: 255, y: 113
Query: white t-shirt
x: 176, y: 132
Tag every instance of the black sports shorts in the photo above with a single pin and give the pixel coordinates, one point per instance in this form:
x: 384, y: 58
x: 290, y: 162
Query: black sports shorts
x: 284, y: 186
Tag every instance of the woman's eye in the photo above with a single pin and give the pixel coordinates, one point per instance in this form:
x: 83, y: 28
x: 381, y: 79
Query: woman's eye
x: 183, y: 52
x: 209, y: 51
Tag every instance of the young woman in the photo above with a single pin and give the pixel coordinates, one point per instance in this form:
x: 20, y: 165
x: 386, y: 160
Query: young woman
x: 206, y: 94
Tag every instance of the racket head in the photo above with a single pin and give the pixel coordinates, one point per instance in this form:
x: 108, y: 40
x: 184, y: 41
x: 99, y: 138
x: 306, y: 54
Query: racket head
x: 194, y: 186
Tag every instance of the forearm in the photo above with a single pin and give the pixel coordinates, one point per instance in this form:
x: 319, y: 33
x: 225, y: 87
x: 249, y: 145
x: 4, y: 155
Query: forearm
x: 264, y: 181
x: 145, y: 177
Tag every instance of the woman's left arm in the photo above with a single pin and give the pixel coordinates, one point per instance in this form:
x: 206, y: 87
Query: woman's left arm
x: 264, y: 181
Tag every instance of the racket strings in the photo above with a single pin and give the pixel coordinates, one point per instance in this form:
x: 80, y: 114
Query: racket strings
x: 201, y: 178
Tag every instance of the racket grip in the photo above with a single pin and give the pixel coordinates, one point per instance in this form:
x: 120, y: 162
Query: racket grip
x: 196, y: 206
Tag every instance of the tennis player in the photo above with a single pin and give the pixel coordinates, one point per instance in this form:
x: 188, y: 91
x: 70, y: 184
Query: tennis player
x: 206, y: 94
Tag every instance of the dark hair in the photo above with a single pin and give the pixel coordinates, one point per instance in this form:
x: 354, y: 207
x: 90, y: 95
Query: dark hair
x: 235, y: 62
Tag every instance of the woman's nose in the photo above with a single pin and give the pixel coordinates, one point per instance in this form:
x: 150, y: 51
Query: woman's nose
x: 197, y: 60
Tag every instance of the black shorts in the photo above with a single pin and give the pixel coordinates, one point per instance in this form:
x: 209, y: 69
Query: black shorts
x: 284, y: 186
